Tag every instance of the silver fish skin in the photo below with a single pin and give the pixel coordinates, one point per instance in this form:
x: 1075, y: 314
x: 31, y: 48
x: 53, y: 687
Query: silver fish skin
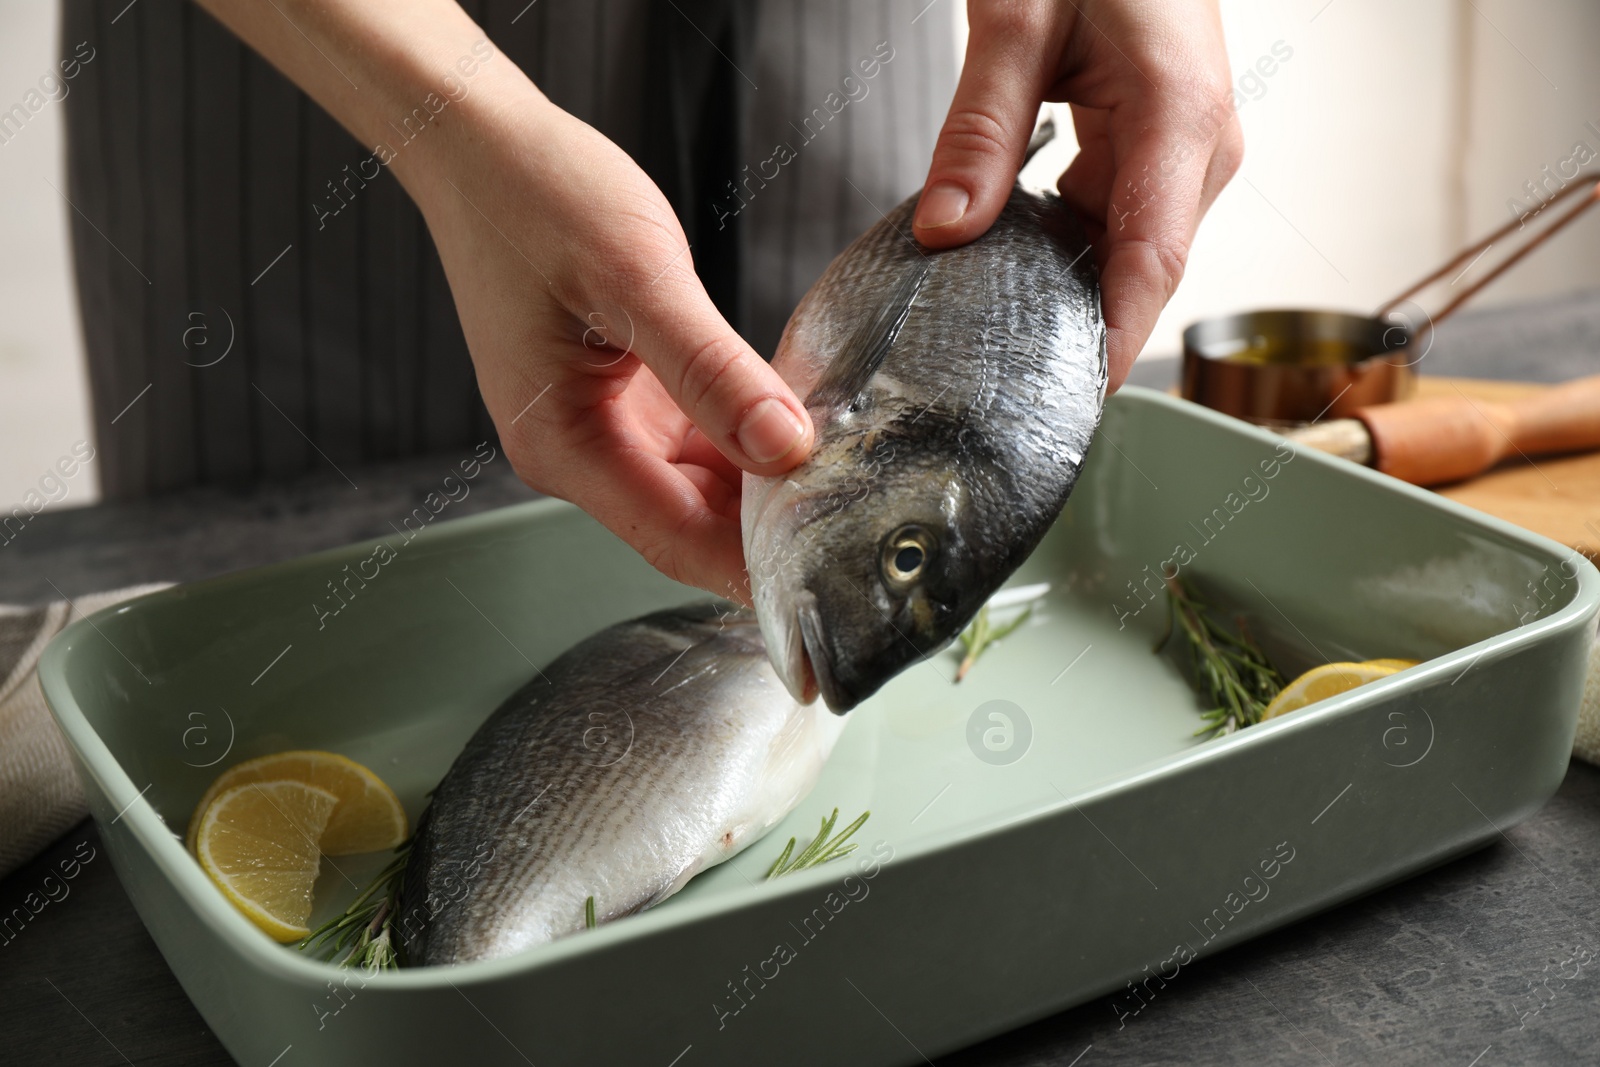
x: 645, y: 754
x: 955, y: 395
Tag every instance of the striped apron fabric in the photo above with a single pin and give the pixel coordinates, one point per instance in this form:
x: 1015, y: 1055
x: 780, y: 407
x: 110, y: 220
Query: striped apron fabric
x: 250, y: 313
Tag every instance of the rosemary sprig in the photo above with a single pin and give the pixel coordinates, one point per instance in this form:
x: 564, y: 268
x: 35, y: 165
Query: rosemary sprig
x: 588, y: 914
x: 821, y: 849
x: 363, y: 935
x: 1230, y: 671
x: 980, y: 634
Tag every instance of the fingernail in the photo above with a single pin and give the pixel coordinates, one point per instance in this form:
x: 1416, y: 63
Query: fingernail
x: 769, y: 431
x: 942, y: 204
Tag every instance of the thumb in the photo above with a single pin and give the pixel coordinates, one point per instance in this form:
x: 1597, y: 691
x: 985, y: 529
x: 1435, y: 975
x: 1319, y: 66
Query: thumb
x: 738, y: 402
x: 985, y: 134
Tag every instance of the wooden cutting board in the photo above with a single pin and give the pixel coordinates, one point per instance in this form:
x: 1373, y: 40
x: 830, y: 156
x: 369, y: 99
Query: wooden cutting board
x: 1558, y: 496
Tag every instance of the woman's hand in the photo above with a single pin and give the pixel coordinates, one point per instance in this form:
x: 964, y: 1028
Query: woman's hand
x: 612, y: 378
x: 1151, y: 100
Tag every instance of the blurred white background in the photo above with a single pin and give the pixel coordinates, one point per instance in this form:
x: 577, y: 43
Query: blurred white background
x: 1391, y: 136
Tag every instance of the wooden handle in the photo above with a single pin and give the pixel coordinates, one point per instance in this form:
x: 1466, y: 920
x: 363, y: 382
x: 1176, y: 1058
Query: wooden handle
x: 1446, y: 439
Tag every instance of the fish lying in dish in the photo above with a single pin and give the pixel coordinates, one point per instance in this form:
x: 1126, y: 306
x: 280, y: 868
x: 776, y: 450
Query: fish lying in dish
x: 643, y: 755
x: 955, y: 395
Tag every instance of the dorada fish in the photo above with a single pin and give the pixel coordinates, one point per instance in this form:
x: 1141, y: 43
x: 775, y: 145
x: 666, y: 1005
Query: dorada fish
x: 955, y: 395
x: 643, y: 755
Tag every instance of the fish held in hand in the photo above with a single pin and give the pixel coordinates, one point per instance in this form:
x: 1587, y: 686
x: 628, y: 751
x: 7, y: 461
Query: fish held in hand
x: 640, y: 757
x: 955, y: 395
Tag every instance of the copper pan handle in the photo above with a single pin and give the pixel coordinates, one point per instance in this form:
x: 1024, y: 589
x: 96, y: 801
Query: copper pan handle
x: 1514, y: 249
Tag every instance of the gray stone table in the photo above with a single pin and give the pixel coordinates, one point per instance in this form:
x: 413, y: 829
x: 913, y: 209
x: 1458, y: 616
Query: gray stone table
x: 1446, y: 968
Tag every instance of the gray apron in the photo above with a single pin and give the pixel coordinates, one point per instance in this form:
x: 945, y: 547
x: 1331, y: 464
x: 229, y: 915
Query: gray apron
x: 255, y: 307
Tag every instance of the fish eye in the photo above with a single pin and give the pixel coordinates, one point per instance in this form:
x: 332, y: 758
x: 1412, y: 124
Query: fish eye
x: 905, y: 554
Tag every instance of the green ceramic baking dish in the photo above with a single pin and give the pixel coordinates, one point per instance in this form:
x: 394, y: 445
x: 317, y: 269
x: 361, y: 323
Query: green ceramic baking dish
x: 1045, y: 832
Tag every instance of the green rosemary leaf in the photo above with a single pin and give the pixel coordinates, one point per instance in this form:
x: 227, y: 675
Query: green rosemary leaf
x: 831, y: 849
x: 981, y: 633
x: 977, y: 630
x: 808, y: 854
x: 822, y: 849
x: 839, y: 854
x: 588, y: 914
x: 778, y: 864
x: 362, y: 935
x: 1231, y: 673
x: 1005, y: 629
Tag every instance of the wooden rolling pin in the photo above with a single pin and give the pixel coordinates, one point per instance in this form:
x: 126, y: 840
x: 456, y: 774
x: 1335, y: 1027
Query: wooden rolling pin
x: 1446, y: 439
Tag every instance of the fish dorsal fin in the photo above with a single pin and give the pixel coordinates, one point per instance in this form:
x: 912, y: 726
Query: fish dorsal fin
x: 864, y: 353
x: 1043, y: 135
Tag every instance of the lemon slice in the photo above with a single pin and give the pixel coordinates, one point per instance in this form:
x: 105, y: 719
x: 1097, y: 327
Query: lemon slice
x: 369, y: 817
x: 1330, y: 679
x: 259, y: 844
x: 1397, y: 664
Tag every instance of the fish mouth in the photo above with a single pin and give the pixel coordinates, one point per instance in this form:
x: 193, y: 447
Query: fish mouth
x: 812, y: 653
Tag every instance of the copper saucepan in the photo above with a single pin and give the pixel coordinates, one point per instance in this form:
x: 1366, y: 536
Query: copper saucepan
x: 1288, y: 367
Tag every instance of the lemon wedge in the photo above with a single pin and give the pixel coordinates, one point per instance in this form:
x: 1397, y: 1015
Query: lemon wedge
x: 1397, y: 664
x: 367, y: 818
x: 1330, y: 679
x: 259, y: 843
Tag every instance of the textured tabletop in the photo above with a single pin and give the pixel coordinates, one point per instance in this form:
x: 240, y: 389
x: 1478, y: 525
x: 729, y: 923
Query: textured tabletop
x: 1485, y: 961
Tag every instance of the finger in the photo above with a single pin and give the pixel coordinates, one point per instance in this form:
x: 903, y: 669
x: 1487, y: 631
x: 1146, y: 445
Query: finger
x: 731, y: 394
x: 1139, y: 251
x: 985, y: 134
x: 656, y: 422
x: 1150, y: 224
x: 661, y: 509
x: 721, y: 497
x: 700, y: 452
x: 1226, y: 156
x: 1086, y: 183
